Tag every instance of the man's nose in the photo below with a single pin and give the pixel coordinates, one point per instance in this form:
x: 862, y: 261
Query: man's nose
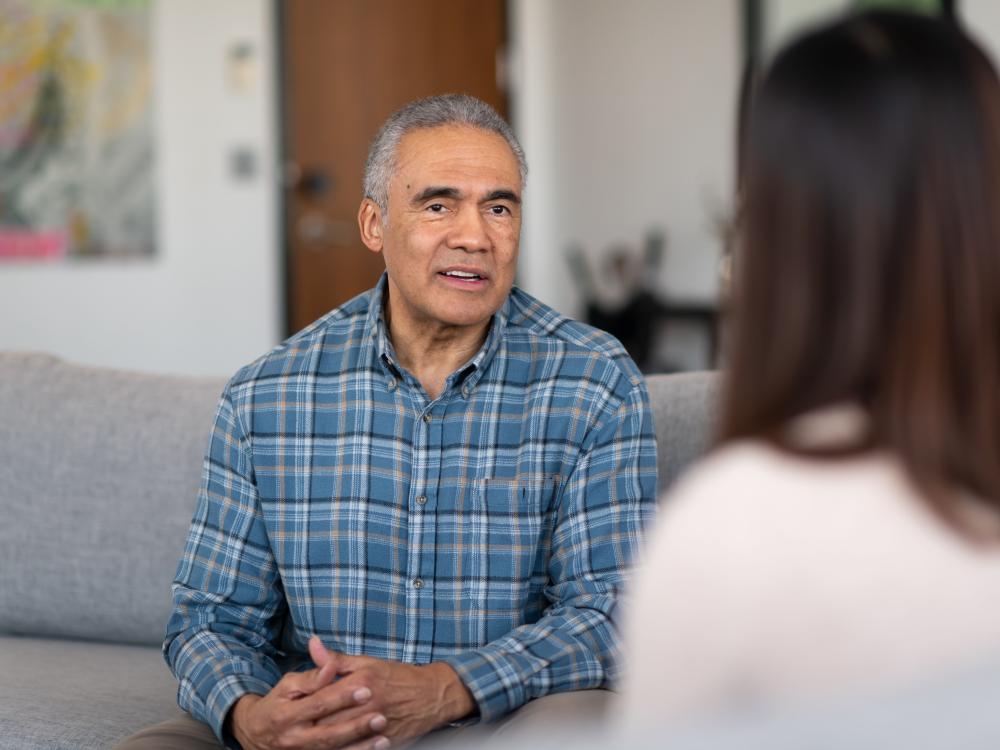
x: 469, y: 231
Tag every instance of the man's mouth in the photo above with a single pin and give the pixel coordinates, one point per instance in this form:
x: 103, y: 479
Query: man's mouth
x: 463, y: 275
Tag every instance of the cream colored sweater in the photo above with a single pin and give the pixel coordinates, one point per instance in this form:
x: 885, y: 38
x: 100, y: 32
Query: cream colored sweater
x: 771, y: 578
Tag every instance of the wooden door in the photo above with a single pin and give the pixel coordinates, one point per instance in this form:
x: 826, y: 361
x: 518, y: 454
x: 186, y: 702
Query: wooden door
x: 347, y: 65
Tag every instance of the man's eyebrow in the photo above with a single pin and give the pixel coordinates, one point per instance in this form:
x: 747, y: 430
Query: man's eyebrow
x: 502, y: 195
x: 435, y: 191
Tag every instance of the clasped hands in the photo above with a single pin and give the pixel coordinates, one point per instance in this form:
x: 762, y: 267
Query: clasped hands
x: 374, y: 705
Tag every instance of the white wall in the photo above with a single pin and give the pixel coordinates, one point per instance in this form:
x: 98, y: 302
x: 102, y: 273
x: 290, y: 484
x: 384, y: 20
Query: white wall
x: 982, y: 19
x: 626, y: 111
x: 209, y: 301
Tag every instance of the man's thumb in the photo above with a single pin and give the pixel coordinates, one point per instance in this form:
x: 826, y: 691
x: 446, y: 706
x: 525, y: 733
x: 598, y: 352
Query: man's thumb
x: 320, y: 656
x: 325, y: 660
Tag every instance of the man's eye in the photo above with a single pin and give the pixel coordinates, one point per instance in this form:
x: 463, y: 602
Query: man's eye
x: 499, y: 210
x: 435, y: 208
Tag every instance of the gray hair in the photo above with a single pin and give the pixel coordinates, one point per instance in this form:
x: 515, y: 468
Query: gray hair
x: 431, y: 112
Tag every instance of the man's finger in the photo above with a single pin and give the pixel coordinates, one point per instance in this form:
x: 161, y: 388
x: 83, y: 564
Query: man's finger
x: 378, y: 742
x: 294, y: 685
x: 363, y: 729
x: 333, y: 699
x: 346, y: 714
x: 347, y: 664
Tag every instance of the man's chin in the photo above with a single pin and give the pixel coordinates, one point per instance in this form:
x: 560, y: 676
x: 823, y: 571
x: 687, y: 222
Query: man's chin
x: 464, y: 316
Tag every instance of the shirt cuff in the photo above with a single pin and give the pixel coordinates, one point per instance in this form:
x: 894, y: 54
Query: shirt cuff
x: 496, y: 687
x: 224, y: 696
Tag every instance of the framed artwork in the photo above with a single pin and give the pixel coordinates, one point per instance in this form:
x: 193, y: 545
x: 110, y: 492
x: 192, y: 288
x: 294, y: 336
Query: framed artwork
x: 77, y: 163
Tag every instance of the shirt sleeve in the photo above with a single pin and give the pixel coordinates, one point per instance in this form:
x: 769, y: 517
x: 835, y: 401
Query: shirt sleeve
x: 604, y: 506
x: 228, y: 599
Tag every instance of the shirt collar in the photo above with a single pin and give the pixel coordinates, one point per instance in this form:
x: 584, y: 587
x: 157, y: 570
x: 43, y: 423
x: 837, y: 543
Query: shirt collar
x: 377, y: 326
x: 468, y: 374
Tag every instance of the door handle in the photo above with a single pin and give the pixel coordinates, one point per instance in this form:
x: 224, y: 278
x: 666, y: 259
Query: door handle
x: 309, y: 182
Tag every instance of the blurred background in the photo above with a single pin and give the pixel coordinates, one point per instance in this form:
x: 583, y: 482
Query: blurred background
x: 179, y: 179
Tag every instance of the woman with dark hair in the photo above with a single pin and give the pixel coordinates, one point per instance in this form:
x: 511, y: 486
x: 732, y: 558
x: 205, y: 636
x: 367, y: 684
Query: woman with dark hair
x: 845, y: 534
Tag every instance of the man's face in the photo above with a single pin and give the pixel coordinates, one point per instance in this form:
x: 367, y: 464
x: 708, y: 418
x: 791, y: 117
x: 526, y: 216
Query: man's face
x: 451, y: 239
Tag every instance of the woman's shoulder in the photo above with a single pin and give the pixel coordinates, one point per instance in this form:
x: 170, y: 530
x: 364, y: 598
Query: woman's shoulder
x: 739, y: 471
x: 750, y: 497
x: 766, y: 473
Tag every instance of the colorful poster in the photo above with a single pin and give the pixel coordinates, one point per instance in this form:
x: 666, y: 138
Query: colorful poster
x: 76, y: 129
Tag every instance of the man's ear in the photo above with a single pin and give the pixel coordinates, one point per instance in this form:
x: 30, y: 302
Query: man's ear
x: 370, y: 224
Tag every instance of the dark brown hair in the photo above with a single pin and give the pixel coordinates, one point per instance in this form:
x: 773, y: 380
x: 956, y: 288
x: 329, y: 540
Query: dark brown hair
x: 869, y: 264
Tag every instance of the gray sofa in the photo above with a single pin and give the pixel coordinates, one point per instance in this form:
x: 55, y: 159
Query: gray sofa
x: 98, y: 474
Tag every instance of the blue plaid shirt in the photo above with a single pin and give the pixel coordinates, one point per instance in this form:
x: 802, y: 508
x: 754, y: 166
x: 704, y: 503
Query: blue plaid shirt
x: 490, y: 528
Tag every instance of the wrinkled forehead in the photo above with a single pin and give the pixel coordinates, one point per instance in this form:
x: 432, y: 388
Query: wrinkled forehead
x: 457, y: 156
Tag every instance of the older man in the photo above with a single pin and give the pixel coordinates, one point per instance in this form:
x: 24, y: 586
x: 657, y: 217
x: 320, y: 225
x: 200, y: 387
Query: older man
x: 427, y: 499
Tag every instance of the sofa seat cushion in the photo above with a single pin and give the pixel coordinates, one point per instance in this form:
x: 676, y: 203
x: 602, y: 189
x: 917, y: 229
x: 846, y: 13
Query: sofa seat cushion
x: 75, y: 695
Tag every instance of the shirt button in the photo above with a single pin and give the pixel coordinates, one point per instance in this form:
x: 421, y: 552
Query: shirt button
x: 418, y: 583
x: 427, y: 418
x: 422, y: 500
x: 465, y: 392
x: 392, y: 384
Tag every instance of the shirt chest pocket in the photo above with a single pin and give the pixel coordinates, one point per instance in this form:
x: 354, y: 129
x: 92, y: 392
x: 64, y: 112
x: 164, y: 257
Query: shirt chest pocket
x: 509, y: 545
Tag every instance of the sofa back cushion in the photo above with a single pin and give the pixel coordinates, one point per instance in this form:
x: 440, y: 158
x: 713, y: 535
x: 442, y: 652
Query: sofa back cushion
x: 99, y: 470
x: 684, y: 410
